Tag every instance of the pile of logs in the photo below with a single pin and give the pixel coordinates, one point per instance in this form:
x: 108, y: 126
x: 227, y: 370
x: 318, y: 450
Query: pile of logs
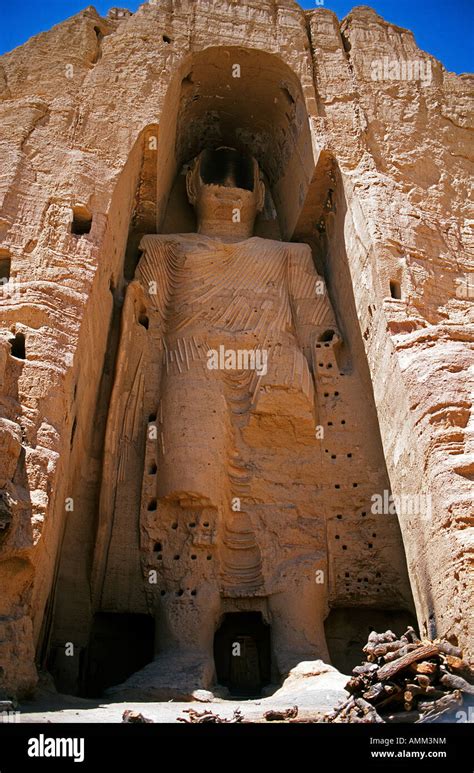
x: 407, y: 680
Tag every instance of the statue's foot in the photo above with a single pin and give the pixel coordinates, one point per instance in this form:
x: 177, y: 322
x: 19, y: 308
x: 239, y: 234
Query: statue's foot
x: 169, y: 676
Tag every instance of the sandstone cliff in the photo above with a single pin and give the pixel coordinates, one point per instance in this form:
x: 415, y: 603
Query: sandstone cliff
x: 97, y: 117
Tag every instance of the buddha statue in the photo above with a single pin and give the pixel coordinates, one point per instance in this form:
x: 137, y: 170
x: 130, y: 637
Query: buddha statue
x: 212, y: 430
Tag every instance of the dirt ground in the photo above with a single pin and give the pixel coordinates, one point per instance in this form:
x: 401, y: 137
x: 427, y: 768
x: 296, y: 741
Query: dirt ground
x: 313, y: 687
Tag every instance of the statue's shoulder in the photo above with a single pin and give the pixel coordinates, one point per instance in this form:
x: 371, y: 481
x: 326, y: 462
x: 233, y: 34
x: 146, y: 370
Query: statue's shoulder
x: 298, y: 250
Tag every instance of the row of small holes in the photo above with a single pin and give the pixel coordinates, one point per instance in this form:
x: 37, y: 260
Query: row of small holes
x: 158, y: 549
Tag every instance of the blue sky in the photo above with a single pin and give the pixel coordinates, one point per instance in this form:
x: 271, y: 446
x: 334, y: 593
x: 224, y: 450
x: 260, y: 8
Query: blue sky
x: 444, y: 28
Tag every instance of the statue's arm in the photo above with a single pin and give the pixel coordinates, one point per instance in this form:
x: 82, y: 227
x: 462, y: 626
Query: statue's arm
x: 313, y: 315
x: 139, y: 353
x: 155, y: 272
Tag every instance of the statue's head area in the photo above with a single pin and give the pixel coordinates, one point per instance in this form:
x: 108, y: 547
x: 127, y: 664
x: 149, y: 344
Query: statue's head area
x: 225, y: 188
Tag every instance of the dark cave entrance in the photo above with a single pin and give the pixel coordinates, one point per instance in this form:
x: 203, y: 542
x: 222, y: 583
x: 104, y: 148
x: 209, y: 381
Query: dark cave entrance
x: 242, y: 653
x: 119, y: 645
x: 348, y: 628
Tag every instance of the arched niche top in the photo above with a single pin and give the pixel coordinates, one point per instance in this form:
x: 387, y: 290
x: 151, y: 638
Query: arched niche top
x: 246, y: 99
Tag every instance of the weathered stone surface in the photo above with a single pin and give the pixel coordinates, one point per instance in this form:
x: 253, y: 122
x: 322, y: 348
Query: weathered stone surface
x: 98, y: 118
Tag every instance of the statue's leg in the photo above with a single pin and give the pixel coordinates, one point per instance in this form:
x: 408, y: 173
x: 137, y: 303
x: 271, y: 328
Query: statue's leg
x: 193, y: 446
x: 192, y: 443
x: 297, y: 617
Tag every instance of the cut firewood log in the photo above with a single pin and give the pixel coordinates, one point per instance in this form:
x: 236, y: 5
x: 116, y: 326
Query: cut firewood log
x: 355, y: 684
x: 411, y: 636
x: 344, y: 706
x: 461, y: 667
x: 413, y: 690
x: 422, y: 679
x: 447, y: 648
x: 421, y: 653
x: 432, y: 711
x: 447, y: 702
x: 208, y: 716
x: 425, y: 667
x: 394, y: 695
x: 132, y: 717
x: 368, y: 712
x: 454, y: 682
x: 374, y: 692
x: 390, y: 656
x: 278, y: 716
x: 365, y: 668
x: 378, y: 638
x: 391, y: 646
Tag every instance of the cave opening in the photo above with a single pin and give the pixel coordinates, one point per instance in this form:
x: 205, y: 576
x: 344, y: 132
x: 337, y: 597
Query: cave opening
x: 18, y: 346
x: 5, y: 267
x: 347, y: 630
x: 81, y: 220
x: 395, y: 289
x: 119, y: 645
x: 242, y: 653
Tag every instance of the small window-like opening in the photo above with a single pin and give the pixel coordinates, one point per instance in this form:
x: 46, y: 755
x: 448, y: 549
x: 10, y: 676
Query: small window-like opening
x: 328, y: 335
x: 395, y: 289
x: 152, y: 505
x: 158, y: 547
x: 166, y: 39
x: 5, y: 266
x: 227, y: 167
x: 144, y: 321
x: 81, y: 220
x: 18, y: 348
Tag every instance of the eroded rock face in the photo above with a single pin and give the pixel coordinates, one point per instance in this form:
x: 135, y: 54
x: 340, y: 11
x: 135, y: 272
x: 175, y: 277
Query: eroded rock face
x: 362, y: 143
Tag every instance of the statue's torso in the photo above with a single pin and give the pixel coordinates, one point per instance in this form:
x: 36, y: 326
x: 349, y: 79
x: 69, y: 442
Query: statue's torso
x: 224, y: 291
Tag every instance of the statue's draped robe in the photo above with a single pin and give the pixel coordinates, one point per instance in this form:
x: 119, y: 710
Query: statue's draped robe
x: 201, y: 294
